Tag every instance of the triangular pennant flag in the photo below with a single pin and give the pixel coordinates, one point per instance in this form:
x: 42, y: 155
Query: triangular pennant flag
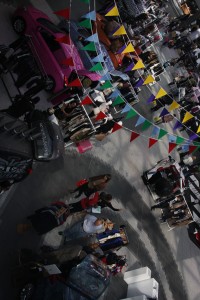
x: 174, y: 105
x: 140, y: 121
x: 138, y: 65
x: 161, y: 93
x: 97, y: 67
x: 152, y: 142
x: 177, y: 125
x: 86, y: 100
x: 65, y: 39
x: 171, y: 147
x: 86, y: 23
x: 179, y: 140
x: 192, y: 148
x: 118, y: 100
x: 116, y: 127
x: 187, y: 117
x: 63, y: 13
x: 93, y: 38
x: 91, y: 15
x: 198, y: 130
x: 134, y: 135
x: 89, y: 47
x: 162, y: 133
x: 155, y: 131
x: 139, y: 83
x: 121, y: 49
x: 75, y: 82
x: 132, y: 113
x: 126, y: 108
x: 129, y: 49
x: 146, y: 125
x: 86, y: 1
x: 68, y: 62
x: 100, y: 116
x: 171, y: 138
x: 113, y: 12
x: 149, y: 79
x: 151, y: 99
x: 193, y: 136
x: 106, y: 77
x: 196, y: 144
x: 120, y: 31
x: 114, y: 94
x: 164, y: 112
x: 98, y: 58
x: 106, y: 85
x: 130, y: 67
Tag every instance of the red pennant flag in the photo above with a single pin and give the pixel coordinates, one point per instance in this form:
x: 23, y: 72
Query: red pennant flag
x: 63, y: 39
x: 152, y: 142
x: 100, y: 116
x: 63, y: 13
x: 134, y: 135
x: 86, y: 100
x: 171, y: 147
x: 192, y: 148
x: 116, y: 127
x: 75, y: 82
x: 68, y: 61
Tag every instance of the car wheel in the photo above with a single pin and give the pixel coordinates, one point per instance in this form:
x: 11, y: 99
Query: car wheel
x: 27, y: 292
x: 50, y: 84
x: 19, y: 25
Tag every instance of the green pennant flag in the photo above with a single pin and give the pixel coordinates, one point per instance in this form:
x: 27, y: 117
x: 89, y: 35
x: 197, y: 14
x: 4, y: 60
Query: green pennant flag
x: 179, y: 140
x: 97, y: 67
x: 132, y: 113
x: 117, y: 101
x: 162, y: 133
x: 86, y: 23
x: 196, y: 144
x: 86, y: 1
x: 146, y: 125
x: 89, y: 47
x: 106, y: 85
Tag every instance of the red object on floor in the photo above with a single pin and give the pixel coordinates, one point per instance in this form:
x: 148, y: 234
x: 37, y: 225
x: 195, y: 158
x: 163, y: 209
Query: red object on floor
x: 84, y: 146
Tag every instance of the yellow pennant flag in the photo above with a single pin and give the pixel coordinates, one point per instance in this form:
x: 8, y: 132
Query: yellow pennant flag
x: 120, y: 31
x: 187, y: 117
x: 161, y: 93
x: 198, y: 130
x: 129, y: 49
x: 138, y: 65
x: 173, y: 106
x: 149, y: 79
x: 113, y: 12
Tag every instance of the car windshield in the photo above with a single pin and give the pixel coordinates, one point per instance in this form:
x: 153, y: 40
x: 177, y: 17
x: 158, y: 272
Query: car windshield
x: 48, y: 24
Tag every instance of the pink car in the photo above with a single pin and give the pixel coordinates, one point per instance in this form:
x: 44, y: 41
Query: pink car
x: 48, y: 52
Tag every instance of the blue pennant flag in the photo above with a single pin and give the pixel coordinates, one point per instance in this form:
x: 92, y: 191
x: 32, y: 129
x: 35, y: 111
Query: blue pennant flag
x: 126, y: 108
x: 114, y: 94
x: 171, y: 138
x: 91, y: 15
x: 177, y: 125
x: 93, y: 38
x: 106, y: 77
x: 164, y: 112
x: 140, y: 121
x: 155, y: 131
x: 193, y: 136
x: 98, y: 58
x: 139, y: 83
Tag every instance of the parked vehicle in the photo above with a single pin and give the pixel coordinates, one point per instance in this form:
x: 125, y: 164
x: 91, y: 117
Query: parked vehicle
x: 50, y: 54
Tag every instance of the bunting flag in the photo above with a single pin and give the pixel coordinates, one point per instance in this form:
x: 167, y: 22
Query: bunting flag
x: 134, y: 135
x: 164, y: 112
x: 146, y: 125
x: 151, y: 99
x: 68, y: 62
x: 138, y: 65
x: 152, y: 142
x: 93, y: 38
x: 121, y: 49
x: 100, y: 116
x: 149, y: 79
x: 179, y: 140
x: 162, y: 133
x: 187, y: 117
x: 75, y: 82
x: 177, y: 125
x: 91, y: 15
x: 116, y: 127
x: 114, y: 94
x: 171, y: 138
x: 171, y: 147
x: 140, y: 121
x: 106, y: 77
x: 89, y: 47
x: 132, y: 113
x: 192, y: 148
x: 65, y: 13
x: 106, y: 85
x: 155, y: 131
x: 126, y: 108
x: 198, y: 130
x: 161, y: 93
x: 120, y: 31
x: 65, y: 39
x: 97, y: 67
x: 174, y: 105
x: 86, y: 100
x: 129, y: 49
x: 139, y: 83
x: 118, y: 100
x: 98, y: 58
x: 86, y: 24
x: 113, y: 12
x: 193, y: 137
x: 130, y: 67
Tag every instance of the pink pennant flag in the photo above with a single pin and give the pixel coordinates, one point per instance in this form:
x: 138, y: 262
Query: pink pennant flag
x: 86, y: 100
x: 134, y: 135
x: 171, y: 147
x: 116, y: 127
x: 75, y: 82
x: 152, y: 142
x: 100, y: 116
